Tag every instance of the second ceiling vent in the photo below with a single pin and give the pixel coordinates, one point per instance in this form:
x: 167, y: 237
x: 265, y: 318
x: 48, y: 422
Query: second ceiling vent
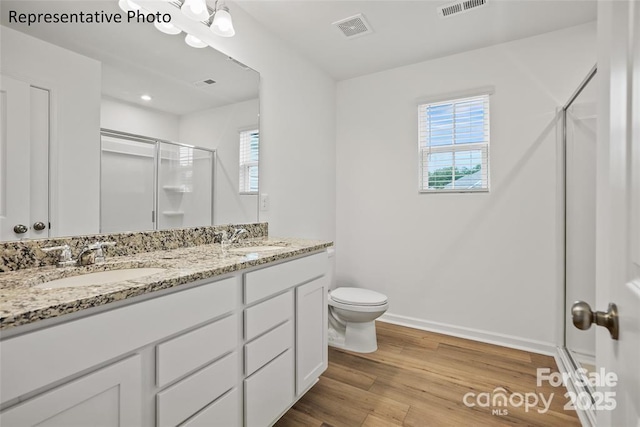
x: 354, y: 26
x: 459, y: 7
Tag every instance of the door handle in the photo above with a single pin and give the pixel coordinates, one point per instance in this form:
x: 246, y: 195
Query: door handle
x: 583, y: 317
x: 39, y: 226
x: 20, y: 229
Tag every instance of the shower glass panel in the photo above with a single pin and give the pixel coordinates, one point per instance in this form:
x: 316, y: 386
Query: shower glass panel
x: 185, y: 186
x: 127, y: 181
x: 581, y: 122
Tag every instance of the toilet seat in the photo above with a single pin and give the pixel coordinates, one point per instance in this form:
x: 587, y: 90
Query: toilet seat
x: 358, y: 297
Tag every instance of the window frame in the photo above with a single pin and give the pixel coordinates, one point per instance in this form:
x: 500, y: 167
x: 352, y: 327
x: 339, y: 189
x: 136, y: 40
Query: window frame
x: 453, y: 148
x: 245, y: 167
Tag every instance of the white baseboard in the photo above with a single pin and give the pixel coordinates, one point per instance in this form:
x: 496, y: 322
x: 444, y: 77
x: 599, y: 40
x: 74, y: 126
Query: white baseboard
x: 519, y: 343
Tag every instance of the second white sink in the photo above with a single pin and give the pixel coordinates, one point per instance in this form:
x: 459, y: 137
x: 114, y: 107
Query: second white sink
x: 99, y: 278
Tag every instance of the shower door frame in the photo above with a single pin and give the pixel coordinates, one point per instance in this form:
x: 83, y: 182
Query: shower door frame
x: 565, y: 359
x: 156, y: 142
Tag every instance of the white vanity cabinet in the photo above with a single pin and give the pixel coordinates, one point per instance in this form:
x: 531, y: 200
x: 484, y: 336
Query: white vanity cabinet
x: 228, y: 352
x: 290, y: 351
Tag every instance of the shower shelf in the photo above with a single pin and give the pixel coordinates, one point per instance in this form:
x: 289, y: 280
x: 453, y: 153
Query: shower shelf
x: 177, y: 188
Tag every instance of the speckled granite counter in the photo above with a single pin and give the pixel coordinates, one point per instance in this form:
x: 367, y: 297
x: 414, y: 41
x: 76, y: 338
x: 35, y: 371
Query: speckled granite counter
x: 21, y: 303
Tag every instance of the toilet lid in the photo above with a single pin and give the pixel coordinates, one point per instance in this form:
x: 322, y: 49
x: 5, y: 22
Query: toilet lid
x: 358, y: 296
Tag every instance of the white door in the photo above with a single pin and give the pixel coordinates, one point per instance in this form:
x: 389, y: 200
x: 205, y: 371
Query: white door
x: 618, y: 201
x: 24, y: 159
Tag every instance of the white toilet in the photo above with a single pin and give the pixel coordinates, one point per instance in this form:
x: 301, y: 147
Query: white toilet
x: 352, y: 315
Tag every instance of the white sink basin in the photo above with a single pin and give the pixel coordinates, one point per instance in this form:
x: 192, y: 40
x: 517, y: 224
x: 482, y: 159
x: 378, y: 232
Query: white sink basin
x: 99, y: 278
x: 255, y: 249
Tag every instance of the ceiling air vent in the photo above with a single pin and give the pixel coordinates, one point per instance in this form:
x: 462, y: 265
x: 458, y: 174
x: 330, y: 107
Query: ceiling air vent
x: 204, y: 83
x: 459, y: 7
x: 354, y: 26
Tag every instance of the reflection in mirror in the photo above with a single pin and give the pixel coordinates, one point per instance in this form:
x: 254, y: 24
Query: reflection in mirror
x: 62, y: 83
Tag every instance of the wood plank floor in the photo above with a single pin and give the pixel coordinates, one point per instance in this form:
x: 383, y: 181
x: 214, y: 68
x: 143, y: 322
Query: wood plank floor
x: 419, y: 378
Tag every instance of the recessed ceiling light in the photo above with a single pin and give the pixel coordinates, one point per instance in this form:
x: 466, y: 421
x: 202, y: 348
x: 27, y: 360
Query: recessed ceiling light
x: 145, y: 98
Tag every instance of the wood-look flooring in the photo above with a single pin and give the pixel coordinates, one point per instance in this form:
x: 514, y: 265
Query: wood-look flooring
x: 419, y: 378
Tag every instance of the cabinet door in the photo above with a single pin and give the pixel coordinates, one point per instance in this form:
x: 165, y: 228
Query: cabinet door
x: 311, y: 333
x: 107, y: 397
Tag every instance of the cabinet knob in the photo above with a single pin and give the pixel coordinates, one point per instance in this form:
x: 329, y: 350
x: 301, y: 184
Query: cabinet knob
x: 20, y: 229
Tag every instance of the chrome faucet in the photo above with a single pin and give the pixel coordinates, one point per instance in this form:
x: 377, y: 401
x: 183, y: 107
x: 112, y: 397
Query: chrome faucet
x: 236, y: 234
x: 226, y: 240
x: 66, y: 257
x: 99, y: 256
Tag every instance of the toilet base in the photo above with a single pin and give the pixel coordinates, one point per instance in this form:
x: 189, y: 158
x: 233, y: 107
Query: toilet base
x: 359, y: 337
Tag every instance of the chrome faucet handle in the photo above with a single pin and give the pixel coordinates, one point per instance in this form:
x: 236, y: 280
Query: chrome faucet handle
x: 66, y: 258
x: 237, y: 233
x: 99, y: 252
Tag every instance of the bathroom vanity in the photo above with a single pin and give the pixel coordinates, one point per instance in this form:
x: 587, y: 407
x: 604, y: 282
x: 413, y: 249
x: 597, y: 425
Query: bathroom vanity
x: 216, y: 339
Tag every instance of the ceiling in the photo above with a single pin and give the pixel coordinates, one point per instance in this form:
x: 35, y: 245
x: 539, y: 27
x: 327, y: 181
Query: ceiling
x: 407, y: 32
x: 137, y: 59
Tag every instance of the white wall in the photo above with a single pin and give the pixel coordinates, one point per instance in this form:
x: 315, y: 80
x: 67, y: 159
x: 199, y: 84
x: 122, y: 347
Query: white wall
x: 125, y: 117
x: 481, y: 265
x: 74, y: 81
x: 218, y: 128
x: 297, y: 127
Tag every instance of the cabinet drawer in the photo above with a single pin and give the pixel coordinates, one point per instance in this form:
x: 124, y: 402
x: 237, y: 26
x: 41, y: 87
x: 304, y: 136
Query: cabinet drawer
x: 271, y: 280
x: 187, y: 352
x: 27, y: 362
x: 184, y: 399
x: 224, y: 412
x: 264, y: 349
x: 266, y: 315
x: 269, y: 392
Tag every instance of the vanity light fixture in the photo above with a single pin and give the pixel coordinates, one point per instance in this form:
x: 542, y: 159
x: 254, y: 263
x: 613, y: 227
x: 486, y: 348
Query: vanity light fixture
x: 222, y: 24
x: 167, y: 27
x: 128, y: 5
x: 193, y: 41
x: 195, y: 9
x: 145, y: 97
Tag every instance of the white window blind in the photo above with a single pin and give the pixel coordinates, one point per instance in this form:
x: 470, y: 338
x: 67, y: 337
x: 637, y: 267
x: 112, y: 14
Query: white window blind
x: 453, y: 142
x: 249, y: 151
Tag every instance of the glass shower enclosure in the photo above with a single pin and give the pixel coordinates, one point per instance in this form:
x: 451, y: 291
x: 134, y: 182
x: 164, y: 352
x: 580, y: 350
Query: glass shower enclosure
x: 579, y: 143
x: 152, y: 184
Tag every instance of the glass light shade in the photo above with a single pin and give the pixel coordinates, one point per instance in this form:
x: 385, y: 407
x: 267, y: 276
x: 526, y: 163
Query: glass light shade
x: 193, y: 41
x: 222, y: 24
x: 195, y: 9
x: 167, y: 27
x: 127, y: 5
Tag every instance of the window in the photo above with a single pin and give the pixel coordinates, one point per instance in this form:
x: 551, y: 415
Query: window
x: 249, y: 144
x: 453, y: 142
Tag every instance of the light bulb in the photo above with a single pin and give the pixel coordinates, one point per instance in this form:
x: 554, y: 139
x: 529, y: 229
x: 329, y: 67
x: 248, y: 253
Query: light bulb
x: 124, y: 5
x: 195, y: 9
x: 145, y: 97
x: 133, y: 5
x: 193, y: 41
x: 167, y: 27
x: 222, y: 24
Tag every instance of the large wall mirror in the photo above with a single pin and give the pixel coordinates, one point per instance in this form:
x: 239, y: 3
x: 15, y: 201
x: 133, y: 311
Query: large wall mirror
x: 115, y: 127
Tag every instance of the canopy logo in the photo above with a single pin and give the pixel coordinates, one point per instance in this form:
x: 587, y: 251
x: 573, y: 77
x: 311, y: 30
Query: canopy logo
x: 500, y: 399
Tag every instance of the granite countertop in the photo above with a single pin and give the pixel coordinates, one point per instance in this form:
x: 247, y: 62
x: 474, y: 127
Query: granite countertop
x: 21, y: 303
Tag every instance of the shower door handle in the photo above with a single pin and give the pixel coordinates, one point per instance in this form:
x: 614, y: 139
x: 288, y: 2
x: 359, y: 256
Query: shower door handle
x: 583, y: 317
